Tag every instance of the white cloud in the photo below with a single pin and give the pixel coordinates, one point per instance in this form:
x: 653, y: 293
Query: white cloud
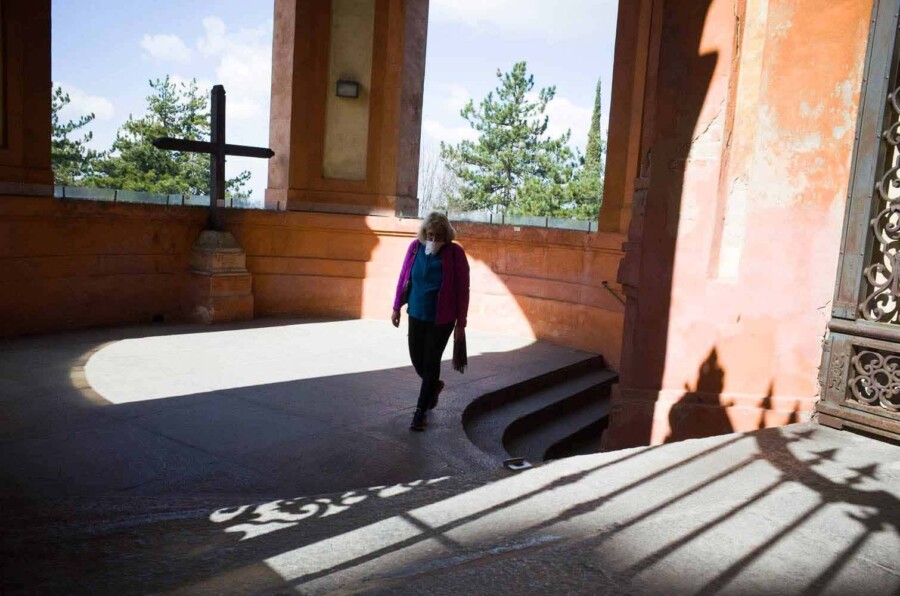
x: 529, y: 18
x: 565, y: 115
x: 444, y: 122
x: 436, y: 132
x: 246, y: 109
x: 455, y: 98
x: 242, y: 62
x: 244, y: 66
x: 214, y: 41
x: 166, y: 47
x: 81, y: 103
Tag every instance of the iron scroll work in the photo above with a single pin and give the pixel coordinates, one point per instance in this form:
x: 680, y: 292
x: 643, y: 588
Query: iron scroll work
x: 876, y: 378
x: 860, y: 372
x: 883, y: 275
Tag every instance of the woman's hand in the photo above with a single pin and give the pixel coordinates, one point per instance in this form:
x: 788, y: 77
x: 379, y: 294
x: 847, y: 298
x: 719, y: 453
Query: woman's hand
x: 395, y: 318
x: 459, y: 334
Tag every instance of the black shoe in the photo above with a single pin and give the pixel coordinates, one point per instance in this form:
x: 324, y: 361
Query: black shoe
x: 436, y: 394
x: 419, y: 421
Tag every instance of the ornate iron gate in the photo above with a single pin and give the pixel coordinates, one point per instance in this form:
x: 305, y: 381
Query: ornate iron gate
x: 861, y: 361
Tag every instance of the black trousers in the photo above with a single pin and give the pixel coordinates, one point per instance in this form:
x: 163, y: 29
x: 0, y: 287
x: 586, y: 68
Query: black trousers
x: 426, y: 346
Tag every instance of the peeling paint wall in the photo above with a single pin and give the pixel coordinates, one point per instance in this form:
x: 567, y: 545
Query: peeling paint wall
x: 743, y: 226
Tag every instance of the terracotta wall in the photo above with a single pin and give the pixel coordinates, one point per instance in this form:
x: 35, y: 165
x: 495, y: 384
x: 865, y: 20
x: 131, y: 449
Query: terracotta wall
x: 70, y: 264
x: 532, y: 282
x: 80, y: 263
x: 750, y: 166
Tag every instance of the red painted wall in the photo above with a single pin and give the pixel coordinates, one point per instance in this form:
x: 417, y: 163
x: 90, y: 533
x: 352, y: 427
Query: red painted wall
x: 78, y: 263
x: 70, y: 264
x: 532, y: 282
x: 750, y: 169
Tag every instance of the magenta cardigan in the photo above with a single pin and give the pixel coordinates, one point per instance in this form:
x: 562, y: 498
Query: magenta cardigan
x: 453, y: 297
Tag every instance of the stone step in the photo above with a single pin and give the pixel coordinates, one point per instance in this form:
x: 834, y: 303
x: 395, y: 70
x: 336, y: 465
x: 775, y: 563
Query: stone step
x: 527, y: 406
x: 534, y: 442
x: 584, y: 442
x: 575, y: 393
x: 514, y: 391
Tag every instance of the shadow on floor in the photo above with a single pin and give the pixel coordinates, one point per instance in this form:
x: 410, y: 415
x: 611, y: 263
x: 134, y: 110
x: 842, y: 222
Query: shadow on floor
x: 251, y: 432
x: 735, y: 513
x: 147, y: 496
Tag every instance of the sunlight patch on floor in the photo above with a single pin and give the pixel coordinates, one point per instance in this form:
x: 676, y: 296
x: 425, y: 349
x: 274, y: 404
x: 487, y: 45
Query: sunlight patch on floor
x: 173, y: 365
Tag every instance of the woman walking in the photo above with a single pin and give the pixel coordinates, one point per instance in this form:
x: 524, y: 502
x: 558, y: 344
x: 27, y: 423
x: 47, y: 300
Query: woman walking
x: 434, y: 281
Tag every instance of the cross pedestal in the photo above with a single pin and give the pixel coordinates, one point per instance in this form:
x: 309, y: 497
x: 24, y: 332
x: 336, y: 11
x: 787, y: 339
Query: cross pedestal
x: 221, y: 286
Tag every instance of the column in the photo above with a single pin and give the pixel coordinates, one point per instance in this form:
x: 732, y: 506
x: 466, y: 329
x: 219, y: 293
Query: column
x: 337, y: 153
x: 25, y: 107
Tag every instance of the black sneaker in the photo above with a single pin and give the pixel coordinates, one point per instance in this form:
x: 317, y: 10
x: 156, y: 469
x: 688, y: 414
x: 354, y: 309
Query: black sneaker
x: 436, y: 394
x: 419, y: 421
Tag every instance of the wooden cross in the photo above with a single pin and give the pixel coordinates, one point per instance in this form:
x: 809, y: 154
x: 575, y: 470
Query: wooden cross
x: 217, y: 149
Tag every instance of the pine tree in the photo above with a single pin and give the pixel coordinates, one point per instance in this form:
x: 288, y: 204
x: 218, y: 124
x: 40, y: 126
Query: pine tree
x: 179, y: 111
x: 514, y: 166
x: 71, y: 160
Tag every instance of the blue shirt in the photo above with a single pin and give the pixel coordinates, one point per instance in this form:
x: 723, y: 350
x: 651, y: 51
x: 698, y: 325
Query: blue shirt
x: 427, y: 273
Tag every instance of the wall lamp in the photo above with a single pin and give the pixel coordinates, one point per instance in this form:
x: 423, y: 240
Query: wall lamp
x: 347, y: 88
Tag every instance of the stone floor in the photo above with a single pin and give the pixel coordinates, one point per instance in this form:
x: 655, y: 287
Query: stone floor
x: 799, y: 510
x: 170, y: 460
x: 256, y: 409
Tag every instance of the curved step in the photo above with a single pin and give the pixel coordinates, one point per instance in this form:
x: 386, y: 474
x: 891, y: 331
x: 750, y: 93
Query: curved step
x: 529, y: 405
x: 534, y: 443
x: 501, y: 397
x: 584, y: 442
x: 583, y: 390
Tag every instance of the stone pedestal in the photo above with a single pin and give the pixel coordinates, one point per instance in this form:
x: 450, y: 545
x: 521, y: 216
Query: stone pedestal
x: 221, y: 286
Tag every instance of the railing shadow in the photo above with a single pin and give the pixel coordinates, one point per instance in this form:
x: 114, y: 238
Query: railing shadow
x: 581, y: 503
x: 773, y: 449
x: 394, y: 536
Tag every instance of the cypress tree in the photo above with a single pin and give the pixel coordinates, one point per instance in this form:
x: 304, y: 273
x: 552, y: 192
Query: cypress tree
x: 593, y: 159
x: 586, y: 190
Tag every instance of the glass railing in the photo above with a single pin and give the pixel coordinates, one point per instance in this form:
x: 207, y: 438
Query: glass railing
x: 113, y: 195
x: 483, y: 216
x: 502, y: 219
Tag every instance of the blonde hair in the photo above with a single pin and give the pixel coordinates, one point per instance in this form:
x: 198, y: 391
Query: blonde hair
x: 436, y: 222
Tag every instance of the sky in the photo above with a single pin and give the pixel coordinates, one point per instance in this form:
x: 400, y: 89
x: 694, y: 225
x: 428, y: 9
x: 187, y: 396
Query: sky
x: 106, y: 51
